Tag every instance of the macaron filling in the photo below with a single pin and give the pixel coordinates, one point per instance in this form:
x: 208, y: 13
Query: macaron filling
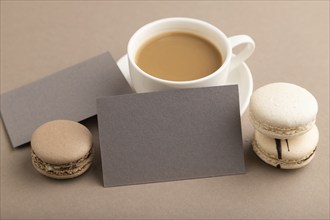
x: 273, y: 159
x: 288, y: 131
x: 63, y: 169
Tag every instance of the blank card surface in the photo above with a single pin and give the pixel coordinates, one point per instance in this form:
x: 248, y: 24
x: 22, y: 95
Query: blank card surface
x: 173, y: 135
x: 68, y: 94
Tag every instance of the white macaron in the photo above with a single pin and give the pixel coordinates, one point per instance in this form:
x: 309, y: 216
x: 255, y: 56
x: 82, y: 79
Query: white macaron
x: 282, y: 110
x: 290, y: 153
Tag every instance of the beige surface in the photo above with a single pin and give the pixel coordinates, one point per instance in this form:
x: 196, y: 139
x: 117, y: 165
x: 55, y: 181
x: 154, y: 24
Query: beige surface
x: 292, y: 39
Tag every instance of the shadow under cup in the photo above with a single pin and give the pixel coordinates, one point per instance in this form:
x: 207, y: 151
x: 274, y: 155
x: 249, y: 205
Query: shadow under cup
x: 144, y: 82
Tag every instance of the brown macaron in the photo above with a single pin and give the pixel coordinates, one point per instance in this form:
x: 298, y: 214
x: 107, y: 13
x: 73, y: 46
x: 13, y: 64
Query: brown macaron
x: 61, y: 149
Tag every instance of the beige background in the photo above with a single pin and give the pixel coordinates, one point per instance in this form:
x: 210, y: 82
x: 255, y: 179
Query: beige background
x: 292, y: 39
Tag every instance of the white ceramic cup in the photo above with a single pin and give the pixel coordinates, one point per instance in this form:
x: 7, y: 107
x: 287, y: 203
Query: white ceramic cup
x: 144, y: 82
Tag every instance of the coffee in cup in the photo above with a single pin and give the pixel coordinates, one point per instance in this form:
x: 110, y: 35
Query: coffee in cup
x: 178, y: 56
x: 156, y: 65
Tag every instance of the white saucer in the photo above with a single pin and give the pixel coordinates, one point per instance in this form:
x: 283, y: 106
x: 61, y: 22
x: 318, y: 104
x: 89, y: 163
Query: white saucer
x: 241, y: 76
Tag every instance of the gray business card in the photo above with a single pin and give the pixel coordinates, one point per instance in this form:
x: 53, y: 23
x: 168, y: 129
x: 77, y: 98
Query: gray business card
x: 68, y: 94
x: 173, y: 135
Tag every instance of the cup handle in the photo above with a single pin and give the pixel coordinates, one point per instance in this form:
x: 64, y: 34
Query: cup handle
x: 245, y: 53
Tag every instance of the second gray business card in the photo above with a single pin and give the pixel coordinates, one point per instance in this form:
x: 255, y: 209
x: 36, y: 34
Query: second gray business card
x: 174, y: 135
x: 67, y: 94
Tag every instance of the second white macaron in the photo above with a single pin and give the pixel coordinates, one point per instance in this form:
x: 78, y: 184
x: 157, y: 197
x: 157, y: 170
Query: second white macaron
x: 290, y: 153
x: 282, y: 110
